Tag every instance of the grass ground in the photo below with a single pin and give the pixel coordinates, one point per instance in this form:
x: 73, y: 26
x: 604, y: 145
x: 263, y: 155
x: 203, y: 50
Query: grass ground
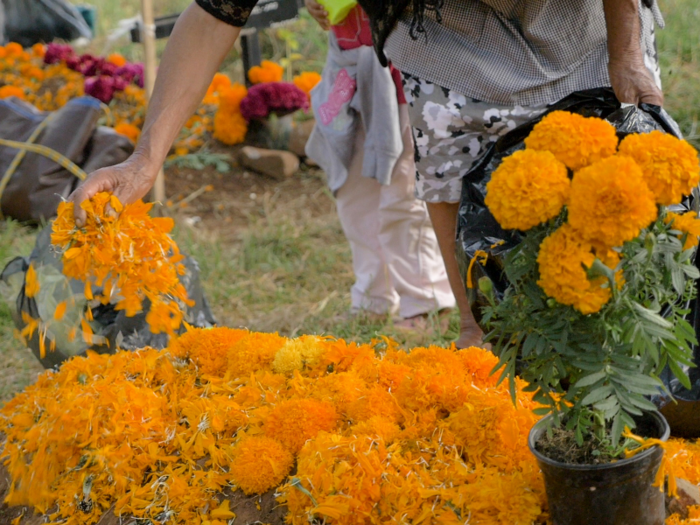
x: 282, y: 263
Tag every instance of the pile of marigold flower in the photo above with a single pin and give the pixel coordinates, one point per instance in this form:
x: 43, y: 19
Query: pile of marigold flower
x: 617, y: 190
x: 50, y: 76
x: 373, y: 436
x: 424, y: 436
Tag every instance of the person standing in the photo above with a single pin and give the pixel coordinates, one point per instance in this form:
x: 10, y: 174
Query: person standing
x: 473, y: 69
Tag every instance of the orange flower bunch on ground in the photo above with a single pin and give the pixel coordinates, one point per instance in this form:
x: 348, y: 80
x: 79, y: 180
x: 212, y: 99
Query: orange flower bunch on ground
x: 267, y: 71
x: 130, y: 258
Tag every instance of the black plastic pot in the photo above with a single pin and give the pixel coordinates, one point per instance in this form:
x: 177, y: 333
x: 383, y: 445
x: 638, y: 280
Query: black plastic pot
x: 619, y: 493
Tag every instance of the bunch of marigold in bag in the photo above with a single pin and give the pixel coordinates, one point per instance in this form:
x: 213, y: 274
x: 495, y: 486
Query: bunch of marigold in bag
x: 599, y: 285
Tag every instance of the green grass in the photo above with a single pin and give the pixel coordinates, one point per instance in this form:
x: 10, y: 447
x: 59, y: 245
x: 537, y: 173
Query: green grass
x: 18, y: 367
x: 679, y: 54
x: 289, y: 273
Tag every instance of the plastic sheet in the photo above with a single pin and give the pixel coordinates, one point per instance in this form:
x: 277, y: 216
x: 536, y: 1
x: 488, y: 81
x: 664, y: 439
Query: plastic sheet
x: 112, y: 327
x: 37, y: 186
x: 29, y: 22
x: 479, y: 234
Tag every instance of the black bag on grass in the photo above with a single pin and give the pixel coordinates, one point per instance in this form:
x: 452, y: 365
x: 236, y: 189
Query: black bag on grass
x: 112, y: 328
x: 29, y: 22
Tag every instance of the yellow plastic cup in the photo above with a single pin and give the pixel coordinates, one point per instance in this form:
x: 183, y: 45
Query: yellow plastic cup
x: 337, y: 9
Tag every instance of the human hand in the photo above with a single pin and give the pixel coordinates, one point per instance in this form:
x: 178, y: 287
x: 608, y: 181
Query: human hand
x: 319, y: 13
x: 128, y: 181
x: 633, y: 83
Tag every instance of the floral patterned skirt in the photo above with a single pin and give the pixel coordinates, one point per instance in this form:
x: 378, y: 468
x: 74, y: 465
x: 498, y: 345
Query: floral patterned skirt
x: 451, y: 132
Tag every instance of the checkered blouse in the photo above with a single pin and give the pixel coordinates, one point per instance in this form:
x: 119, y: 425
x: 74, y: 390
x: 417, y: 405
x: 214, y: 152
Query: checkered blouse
x: 513, y: 52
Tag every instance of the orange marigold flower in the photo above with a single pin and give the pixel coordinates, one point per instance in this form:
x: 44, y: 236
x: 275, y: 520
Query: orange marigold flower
x: 14, y: 49
x: 305, y: 351
x: 219, y: 84
x: 670, y: 165
x: 375, y: 402
x: 39, y: 50
x: 259, y: 464
x: 610, y: 202
x: 574, y: 140
x: 563, y: 259
x: 229, y: 125
x: 267, y: 71
x: 255, y: 351
x: 527, y: 189
x: 11, y: 91
x: 689, y: 226
x: 117, y: 59
x: 382, y: 427
x: 295, y: 421
x: 128, y: 130
x: 307, y: 81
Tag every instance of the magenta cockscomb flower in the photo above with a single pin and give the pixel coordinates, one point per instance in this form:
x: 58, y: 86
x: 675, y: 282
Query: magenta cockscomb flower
x: 281, y: 98
x: 56, y: 53
x: 102, y: 88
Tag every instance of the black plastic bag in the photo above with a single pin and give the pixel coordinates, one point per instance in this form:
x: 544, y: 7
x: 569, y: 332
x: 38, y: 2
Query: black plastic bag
x: 112, y: 328
x: 479, y: 233
x: 29, y: 22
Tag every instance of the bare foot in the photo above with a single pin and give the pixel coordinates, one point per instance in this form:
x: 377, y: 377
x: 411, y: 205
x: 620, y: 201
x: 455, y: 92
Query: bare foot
x: 471, y: 335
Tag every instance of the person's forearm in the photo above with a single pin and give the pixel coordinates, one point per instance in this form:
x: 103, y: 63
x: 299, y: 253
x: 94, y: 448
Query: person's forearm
x: 196, y: 48
x: 622, y: 21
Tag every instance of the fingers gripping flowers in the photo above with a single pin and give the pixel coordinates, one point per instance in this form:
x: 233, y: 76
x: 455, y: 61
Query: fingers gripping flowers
x: 612, y: 199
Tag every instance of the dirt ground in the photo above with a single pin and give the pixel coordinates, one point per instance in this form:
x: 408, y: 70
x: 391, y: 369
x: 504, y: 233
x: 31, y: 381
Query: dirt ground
x: 225, y: 203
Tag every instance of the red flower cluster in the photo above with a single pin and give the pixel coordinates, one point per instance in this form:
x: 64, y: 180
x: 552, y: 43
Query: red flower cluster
x: 103, y: 77
x: 281, y: 98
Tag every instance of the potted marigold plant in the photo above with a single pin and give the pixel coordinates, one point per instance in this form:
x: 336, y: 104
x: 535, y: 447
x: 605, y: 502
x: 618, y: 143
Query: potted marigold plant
x: 599, y: 288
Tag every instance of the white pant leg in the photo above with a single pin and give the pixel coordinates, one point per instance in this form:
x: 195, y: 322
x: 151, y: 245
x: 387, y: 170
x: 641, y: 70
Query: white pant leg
x: 357, y: 202
x: 407, y: 238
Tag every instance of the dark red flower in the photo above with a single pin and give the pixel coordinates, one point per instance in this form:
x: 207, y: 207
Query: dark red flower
x: 273, y: 97
x: 56, y: 53
x: 102, y: 88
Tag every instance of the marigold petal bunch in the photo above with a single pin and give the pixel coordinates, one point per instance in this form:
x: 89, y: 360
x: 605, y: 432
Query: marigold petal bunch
x: 575, y: 140
x: 670, y: 165
x: 528, y: 188
x: 153, y: 433
x: 563, y: 259
x: 131, y: 258
x: 610, y: 202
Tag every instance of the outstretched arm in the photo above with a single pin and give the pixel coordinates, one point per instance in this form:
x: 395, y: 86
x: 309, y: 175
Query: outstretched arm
x: 630, y: 79
x: 196, y: 48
